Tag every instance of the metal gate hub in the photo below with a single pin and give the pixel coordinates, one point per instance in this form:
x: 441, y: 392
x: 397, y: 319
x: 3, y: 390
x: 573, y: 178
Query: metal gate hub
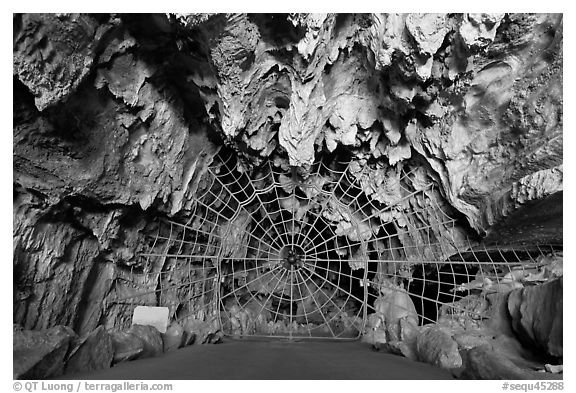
x: 292, y: 257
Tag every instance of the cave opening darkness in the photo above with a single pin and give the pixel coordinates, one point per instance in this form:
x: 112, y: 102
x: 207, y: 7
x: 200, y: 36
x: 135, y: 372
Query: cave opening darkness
x: 308, y: 253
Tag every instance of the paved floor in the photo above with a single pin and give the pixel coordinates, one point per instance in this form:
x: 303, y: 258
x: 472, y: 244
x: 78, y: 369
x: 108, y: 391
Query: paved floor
x: 269, y: 360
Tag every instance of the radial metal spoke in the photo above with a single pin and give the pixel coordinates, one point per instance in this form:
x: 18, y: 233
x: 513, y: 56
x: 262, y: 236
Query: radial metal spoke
x: 271, y: 293
x: 251, y: 281
x: 319, y: 308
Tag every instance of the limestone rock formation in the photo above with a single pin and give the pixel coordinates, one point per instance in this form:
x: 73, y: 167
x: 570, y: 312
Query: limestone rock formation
x: 537, y: 317
x: 151, y: 339
x: 41, y: 354
x: 93, y: 352
x: 47, y: 37
x: 201, y: 332
x: 173, y: 338
x: 484, y: 362
x: 127, y: 346
x: 436, y: 347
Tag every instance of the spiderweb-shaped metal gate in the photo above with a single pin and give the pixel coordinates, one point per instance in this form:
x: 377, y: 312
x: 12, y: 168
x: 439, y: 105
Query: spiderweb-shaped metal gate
x: 278, y: 254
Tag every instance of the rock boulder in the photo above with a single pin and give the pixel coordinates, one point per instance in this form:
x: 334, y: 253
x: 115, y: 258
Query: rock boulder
x: 536, y: 316
x: 127, y: 346
x: 93, y: 352
x: 486, y: 362
x: 435, y: 347
x: 204, y: 332
x: 41, y: 354
x: 151, y: 337
x: 174, y: 337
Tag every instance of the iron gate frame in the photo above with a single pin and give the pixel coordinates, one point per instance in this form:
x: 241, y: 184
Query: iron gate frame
x: 425, y: 255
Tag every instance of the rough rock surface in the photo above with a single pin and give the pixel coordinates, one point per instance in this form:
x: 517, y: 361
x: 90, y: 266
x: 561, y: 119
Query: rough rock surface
x: 53, y: 54
x: 406, y: 349
x: 87, y: 163
x: 127, y: 346
x: 203, y: 332
x: 396, y: 312
x: 93, y: 352
x: 173, y: 338
x: 405, y: 341
x: 151, y: 338
x: 395, y: 322
x: 436, y: 347
x: 484, y: 362
x: 537, y: 317
x: 41, y: 354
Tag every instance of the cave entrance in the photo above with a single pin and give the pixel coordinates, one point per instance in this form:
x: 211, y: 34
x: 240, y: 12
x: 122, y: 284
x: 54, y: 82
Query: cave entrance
x: 277, y: 252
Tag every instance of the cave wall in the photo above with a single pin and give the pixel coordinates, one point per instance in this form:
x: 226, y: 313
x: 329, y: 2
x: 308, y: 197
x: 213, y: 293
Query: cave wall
x: 116, y: 117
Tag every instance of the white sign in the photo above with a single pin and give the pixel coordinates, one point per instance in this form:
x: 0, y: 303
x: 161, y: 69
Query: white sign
x: 153, y: 316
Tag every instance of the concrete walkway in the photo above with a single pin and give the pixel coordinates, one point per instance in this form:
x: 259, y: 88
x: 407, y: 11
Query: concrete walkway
x: 270, y: 360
